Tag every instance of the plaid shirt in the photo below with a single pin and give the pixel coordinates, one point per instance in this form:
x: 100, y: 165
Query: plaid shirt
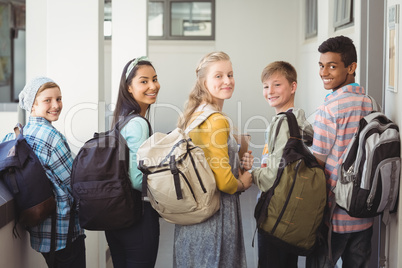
x: 335, y: 124
x: 54, y: 153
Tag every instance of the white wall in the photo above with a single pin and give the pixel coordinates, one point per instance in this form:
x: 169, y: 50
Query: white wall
x: 253, y: 33
x: 17, y: 252
x: 393, y: 110
x: 310, y: 88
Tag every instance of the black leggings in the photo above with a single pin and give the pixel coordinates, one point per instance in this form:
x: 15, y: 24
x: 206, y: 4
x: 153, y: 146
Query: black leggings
x: 136, y: 246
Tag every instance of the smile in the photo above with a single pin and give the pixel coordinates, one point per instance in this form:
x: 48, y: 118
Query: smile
x: 151, y: 94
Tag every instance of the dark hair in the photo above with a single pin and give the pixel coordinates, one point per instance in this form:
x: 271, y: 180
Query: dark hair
x: 342, y: 45
x: 126, y: 104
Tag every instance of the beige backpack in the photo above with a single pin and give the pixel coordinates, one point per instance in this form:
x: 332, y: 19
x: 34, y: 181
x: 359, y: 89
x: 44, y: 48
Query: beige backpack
x: 177, y: 177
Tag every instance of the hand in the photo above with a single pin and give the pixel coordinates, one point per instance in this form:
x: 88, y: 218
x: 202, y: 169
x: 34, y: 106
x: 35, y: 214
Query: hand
x: 244, y: 182
x: 247, y: 161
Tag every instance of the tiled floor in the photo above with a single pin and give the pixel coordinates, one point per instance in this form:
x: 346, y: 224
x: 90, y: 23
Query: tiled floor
x: 248, y: 201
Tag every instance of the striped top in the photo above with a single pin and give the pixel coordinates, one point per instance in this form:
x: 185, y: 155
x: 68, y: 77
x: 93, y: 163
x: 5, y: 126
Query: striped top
x: 335, y: 123
x: 54, y: 153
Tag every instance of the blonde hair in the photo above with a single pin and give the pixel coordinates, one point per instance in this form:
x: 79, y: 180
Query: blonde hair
x: 200, y: 94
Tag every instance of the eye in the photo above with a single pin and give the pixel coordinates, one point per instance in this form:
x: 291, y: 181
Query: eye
x: 155, y: 80
x: 144, y: 81
x: 58, y: 99
x: 332, y: 66
x: 230, y: 75
x: 277, y: 85
x: 266, y: 87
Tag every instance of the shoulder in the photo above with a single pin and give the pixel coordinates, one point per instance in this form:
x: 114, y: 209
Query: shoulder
x: 218, y: 120
x: 44, y: 132
x: 135, y: 126
x: 138, y: 121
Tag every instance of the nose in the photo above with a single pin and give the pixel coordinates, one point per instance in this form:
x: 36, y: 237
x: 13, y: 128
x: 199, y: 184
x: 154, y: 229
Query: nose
x: 324, y: 71
x: 154, y: 85
x: 55, y: 104
x: 227, y: 80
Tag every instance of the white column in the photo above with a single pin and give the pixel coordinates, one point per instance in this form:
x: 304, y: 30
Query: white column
x: 129, y: 36
x: 65, y: 42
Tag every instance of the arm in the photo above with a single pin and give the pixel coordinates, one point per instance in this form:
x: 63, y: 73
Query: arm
x: 135, y: 132
x: 325, y: 130
x: 212, y: 136
x: 265, y: 177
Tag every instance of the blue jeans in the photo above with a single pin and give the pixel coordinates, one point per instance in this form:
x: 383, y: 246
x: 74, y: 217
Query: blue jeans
x: 353, y: 248
x: 72, y: 256
x: 136, y: 246
x: 270, y: 256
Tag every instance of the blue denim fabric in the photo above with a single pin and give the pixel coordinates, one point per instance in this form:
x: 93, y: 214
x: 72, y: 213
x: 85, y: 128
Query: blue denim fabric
x: 136, y: 246
x: 72, y: 256
x: 353, y: 248
x: 271, y: 256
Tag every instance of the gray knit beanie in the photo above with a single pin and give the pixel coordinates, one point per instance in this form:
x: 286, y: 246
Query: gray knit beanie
x: 27, y: 95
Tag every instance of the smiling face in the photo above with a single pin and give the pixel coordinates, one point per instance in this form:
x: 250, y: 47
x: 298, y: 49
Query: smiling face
x: 220, y: 82
x: 144, y: 87
x: 48, y: 104
x: 279, y: 92
x: 333, y: 71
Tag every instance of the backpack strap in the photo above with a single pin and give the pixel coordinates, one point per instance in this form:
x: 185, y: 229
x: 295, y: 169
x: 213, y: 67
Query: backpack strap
x: 293, y: 126
x: 375, y: 105
x: 278, y: 127
x: 199, y: 120
x: 18, y: 129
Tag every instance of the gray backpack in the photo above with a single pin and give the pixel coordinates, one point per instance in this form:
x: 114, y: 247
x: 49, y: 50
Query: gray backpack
x: 368, y: 178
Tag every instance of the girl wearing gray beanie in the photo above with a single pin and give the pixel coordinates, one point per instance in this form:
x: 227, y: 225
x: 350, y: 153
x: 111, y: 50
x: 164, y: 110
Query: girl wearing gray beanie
x: 42, y: 98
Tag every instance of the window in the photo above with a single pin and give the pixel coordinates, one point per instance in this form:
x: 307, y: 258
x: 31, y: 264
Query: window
x: 343, y: 13
x: 181, y: 19
x: 311, y: 19
x: 107, y: 22
x: 12, y: 51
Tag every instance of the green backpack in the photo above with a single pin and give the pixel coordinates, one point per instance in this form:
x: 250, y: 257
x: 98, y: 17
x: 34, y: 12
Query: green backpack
x: 291, y: 212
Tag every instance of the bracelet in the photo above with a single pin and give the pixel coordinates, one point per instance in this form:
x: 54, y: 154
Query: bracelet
x: 244, y: 188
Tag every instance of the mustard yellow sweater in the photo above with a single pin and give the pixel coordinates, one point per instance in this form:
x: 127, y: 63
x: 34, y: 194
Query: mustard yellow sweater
x: 212, y: 136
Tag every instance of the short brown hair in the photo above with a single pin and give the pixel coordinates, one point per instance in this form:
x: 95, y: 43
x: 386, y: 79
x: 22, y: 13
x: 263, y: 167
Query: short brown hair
x: 282, y: 67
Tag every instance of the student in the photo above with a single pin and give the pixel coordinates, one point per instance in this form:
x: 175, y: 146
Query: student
x: 279, y: 81
x: 136, y: 246
x: 217, y: 242
x: 41, y: 97
x: 335, y: 123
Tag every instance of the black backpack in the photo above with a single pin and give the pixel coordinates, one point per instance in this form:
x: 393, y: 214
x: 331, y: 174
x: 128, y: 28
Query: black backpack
x: 100, y: 182
x: 26, y: 179
x: 290, y: 214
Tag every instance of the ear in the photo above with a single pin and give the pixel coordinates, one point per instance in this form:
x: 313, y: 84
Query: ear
x: 352, y: 68
x: 130, y: 89
x: 294, y: 87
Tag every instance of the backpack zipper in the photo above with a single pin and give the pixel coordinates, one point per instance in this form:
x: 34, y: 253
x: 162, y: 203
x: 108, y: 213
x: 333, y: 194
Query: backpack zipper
x: 296, y: 168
